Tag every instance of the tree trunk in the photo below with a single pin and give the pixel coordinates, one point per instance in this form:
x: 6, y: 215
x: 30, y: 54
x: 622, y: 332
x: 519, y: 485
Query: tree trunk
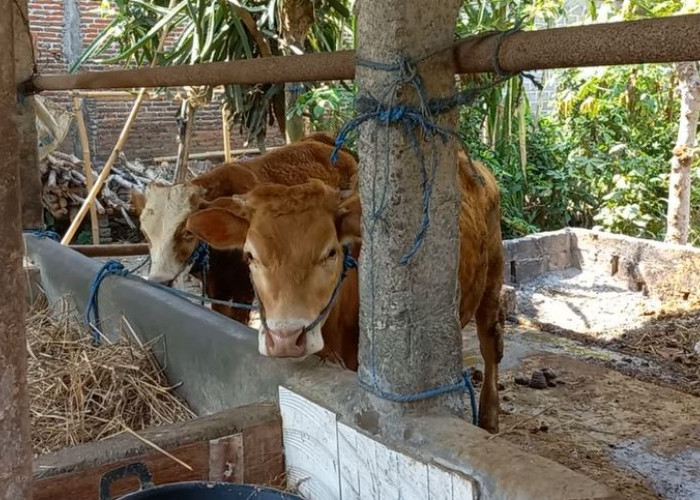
x: 409, y: 331
x: 678, y: 218
x: 15, y: 457
x: 32, y: 209
x: 297, y: 16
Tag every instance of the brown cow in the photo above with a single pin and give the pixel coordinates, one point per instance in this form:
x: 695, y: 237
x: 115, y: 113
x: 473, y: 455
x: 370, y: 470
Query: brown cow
x: 163, y: 211
x: 293, y: 238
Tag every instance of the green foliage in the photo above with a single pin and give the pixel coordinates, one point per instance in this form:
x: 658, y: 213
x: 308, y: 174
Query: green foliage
x: 327, y: 107
x: 214, y: 31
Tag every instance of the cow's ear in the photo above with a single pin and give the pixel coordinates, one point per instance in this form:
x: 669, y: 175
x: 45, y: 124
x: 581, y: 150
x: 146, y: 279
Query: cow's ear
x: 137, y: 202
x: 348, y: 220
x: 219, y: 227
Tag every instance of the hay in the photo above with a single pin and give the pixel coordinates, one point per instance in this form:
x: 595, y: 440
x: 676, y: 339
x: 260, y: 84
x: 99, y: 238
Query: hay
x: 79, y: 393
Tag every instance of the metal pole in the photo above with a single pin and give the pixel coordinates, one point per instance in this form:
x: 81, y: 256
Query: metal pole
x: 15, y: 450
x: 670, y: 39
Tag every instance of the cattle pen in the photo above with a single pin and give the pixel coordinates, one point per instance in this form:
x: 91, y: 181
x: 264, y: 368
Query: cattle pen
x: 313, y: 427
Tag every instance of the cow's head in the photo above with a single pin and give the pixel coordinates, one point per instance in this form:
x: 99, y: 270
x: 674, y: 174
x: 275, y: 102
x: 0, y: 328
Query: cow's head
x: 292, y: 238
x: 163, y: 212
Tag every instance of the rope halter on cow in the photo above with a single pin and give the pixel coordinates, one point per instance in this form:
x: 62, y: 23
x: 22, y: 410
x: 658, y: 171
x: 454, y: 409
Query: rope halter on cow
x: 349, y: 262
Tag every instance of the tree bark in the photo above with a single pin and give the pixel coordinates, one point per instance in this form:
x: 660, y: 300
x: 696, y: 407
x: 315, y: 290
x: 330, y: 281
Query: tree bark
x: 15, y: 457
x: 678, y: 217
x: 297, y: 16
x: 409, y: 331
x: 32, y: 210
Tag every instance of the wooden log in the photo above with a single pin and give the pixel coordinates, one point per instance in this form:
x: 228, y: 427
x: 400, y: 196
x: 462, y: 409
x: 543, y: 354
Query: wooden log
x: 116, y: 250
x: 87, y: 165
x: 213, y: 154
x: 25, y: 68
x: 660, y: 40
x: 15, y: 447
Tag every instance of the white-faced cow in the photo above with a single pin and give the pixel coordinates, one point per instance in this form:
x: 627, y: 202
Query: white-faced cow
x: 293, y: 238
x: 163, y: 211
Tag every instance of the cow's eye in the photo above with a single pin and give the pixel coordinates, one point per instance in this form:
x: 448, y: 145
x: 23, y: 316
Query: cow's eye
x: 249, y: 257
x: 331, y: 254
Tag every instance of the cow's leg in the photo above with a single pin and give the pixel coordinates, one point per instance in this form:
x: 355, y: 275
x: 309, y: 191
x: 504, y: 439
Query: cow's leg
x: 489, y: 325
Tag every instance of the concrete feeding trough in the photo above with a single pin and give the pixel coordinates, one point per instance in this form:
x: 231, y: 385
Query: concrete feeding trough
x: 337, y: 441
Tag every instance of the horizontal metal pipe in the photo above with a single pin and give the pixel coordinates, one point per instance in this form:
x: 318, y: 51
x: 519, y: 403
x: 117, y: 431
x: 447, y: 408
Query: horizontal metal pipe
x: 660, y: 40
x: 116, y: 250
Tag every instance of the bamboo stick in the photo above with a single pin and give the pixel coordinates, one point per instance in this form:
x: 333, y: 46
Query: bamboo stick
x: 114, y: 156
x: 87, y: 165
x: 226, y: 133
x: 212, y: 154
x: 90, y: 199
x: 183, y: 150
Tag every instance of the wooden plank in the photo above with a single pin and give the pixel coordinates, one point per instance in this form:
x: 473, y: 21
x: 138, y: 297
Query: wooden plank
x: 115, y: 250
x: 444, y: 484
x: 262, y: 454
x: 169, y: 437
x: 310, y: 447
x: 85, y: 483
x: 226, y: 459
x: 15, y: 447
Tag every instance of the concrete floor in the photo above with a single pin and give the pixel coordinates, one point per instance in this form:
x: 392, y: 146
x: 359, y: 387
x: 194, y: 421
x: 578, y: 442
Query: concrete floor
x: 626, y: 420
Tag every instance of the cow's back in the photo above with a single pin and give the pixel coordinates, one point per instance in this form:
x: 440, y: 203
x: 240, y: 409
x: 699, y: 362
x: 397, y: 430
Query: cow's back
x: 481, y: 252
x: 289, y: 165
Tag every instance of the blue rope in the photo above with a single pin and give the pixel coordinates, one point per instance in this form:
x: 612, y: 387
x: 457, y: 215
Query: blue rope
x: 113, y: 267
x: 464, y: 384
x: 42, y: 234
x: 199, y: 259
x: 412, y: 120
x: 92, y: 311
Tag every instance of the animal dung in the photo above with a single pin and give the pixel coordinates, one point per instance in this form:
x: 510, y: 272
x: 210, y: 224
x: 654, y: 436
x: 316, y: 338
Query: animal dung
x: 538, y: 380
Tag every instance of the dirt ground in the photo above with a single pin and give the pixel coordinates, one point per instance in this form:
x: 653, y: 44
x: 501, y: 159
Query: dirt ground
x: 624, y: 408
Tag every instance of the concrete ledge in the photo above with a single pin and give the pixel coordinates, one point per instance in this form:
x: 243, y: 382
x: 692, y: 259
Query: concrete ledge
x: 660, y: 269
x: 497, y: 469
x: 535, y: 254
x: 214, y: 358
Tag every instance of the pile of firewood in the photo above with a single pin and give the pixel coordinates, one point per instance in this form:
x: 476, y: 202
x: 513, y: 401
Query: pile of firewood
x: 65, y: 189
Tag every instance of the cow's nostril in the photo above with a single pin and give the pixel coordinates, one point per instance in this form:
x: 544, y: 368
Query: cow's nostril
x: 283, y: 344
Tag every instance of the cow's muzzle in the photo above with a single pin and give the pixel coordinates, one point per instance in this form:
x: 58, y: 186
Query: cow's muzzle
x: 285, y: 344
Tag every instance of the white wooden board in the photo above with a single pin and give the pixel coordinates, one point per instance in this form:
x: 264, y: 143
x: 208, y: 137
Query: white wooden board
x: 331, y: 460
x: 310, y: 443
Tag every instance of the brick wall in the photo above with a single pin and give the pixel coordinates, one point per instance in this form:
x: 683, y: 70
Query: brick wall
x: 61, y: 31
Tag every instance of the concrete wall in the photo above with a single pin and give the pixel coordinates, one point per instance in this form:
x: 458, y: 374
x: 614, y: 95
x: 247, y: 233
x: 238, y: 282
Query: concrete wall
x: 660, y: 269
